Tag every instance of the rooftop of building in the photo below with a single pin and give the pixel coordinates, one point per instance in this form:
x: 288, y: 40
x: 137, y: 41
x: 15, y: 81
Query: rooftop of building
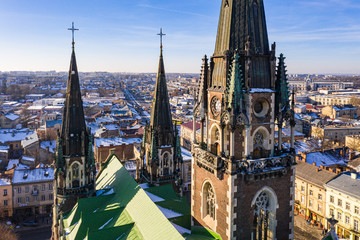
x: 313, y: 173
x: 327, y: 158
x: 116, y: 141
x: 33, y: 175
x: 346, y: 182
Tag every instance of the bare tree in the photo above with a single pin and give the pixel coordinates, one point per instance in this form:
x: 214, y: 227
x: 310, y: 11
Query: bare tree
x: 7, y: 233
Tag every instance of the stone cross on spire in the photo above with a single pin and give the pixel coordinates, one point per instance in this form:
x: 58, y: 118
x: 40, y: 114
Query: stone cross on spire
x: 73, y: 29
x: 161, y: 34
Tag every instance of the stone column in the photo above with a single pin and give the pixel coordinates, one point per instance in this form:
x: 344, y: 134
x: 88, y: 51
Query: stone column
x: 247, y: 139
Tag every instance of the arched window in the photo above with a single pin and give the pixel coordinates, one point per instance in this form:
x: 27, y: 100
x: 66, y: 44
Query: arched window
x: 75, y: 175
x: 166, y: 159
x: 75, y: 170
x: 258, y: 145
x: 264, y: 225
x: 209, y: 201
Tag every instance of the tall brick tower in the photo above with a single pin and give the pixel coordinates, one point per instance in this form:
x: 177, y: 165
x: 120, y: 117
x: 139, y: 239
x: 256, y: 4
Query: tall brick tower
x: 75, y: 169
x: 161, y: 152
x: 242, y: 180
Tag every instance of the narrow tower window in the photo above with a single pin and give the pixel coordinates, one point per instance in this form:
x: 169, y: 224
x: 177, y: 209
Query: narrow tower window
x: 209, y: 201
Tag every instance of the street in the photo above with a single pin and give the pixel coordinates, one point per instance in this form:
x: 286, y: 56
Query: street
x: 35, y: 234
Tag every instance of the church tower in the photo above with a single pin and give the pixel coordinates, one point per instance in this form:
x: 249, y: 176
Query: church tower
x: 75, y: 169
x: 242, y: 178
x: 161, y: 150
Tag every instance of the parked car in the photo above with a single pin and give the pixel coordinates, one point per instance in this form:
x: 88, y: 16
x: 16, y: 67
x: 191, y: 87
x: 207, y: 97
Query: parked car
x: 30, y: 224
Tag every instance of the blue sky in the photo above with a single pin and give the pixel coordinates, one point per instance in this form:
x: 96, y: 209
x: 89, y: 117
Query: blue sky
x: 316, y: 36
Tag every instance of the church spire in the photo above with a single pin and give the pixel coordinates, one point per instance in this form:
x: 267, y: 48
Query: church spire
x: 160, y: 113
x: 242, y: 24
x: 74, y: 136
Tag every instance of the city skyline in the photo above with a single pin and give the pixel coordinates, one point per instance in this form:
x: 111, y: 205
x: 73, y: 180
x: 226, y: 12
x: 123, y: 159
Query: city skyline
x: 120, y: 36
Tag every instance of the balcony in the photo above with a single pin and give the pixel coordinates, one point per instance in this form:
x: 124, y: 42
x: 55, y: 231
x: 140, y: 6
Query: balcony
x: 35, y: 192
x: 75, y: 191
x: 216, y: 164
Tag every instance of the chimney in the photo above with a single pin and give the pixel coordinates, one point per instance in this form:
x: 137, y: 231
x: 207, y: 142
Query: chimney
x: 353, y: 175
x: 112, y: 151
x: 351, y: 155
x: 314, y: 164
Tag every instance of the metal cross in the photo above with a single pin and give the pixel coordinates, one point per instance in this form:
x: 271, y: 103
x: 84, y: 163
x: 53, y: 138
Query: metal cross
x: 161, y: 34
x: 73, y: 29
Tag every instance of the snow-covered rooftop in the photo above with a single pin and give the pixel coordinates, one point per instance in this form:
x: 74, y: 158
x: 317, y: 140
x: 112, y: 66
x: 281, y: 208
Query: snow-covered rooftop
x: 107, y: 142
x: 11, y: 116
x: 49, y: 144
x: 33, y: 175
x: 12, y: 164
x: 5, y: 181
x: 13, y: 135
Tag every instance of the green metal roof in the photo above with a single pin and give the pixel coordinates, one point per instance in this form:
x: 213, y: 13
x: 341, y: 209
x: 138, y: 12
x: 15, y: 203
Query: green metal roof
x: 126, y: 213
x: 123, y: 210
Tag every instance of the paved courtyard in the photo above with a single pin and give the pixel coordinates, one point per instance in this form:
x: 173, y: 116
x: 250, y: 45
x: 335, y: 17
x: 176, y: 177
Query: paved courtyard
x: 304, y: 231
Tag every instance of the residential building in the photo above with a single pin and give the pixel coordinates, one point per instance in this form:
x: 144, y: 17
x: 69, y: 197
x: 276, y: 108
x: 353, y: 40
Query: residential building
x: 331, y: 99
x: 336, y: 111
x: 124, y: 148
x: 33, y: 192
x: 6, y: 199
x: 9, y: 120
x: 343, y: 203
x: 310, y: 194
x: 187, y: 133
x: 334, y: 132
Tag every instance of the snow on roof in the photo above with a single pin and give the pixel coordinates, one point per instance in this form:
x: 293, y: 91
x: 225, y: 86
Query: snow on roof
x: 112, y: 127
x: 49, y: 144
x: 180, y: 229
x: 27, y: 158
x: 169, y: 213
x: 186, y: 155
x: 261, y: 90
x: 33, y: 175
x: 40, y: 107
x: 107, y: 142
x: 144, y: 185
x: 22, y: 167
x: 327, y: 158
x: 49, y: 124
x: 12, y: 164
x: 5, y: 181
x: 30, y: 139
x: 105, y: 119
x: 130, y: 165
x: 13, y: 135
x: 12, y: 116
x: 154, y: 198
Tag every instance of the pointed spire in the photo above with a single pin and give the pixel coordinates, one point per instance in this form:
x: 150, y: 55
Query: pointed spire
x: 242, y: 25
x: 203, y: 85
x: 236, y: 85
x: 73, y: 129
x: 161, y: 119
x: 282, y: 88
